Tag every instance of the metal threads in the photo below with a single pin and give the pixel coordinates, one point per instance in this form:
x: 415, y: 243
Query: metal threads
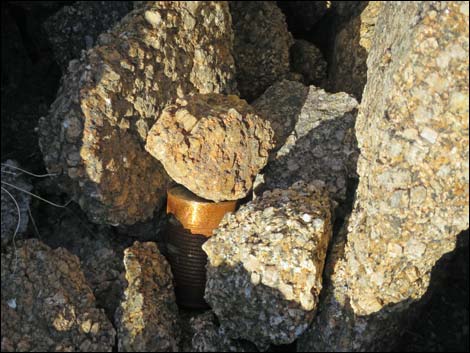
x: 188, y: 264
x: 197, y: 218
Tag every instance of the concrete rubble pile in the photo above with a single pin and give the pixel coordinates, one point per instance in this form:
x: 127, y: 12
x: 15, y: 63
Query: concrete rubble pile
x: 348, y: 156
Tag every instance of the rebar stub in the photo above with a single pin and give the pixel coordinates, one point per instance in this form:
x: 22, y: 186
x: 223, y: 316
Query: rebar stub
x: 197, y: 219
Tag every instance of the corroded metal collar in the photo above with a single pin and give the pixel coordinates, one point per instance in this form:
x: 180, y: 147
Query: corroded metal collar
x: 197, y: 215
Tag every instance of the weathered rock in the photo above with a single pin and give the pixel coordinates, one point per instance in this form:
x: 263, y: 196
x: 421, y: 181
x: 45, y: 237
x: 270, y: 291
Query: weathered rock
x: 148, y: 315
x: 47, y: 304
x: 77, y: 26
x: 208, y: 336
x: 315, y: 137
x: 265, y: 264
x: 14, y: 201
x: 348, y: 67
x: 308, y: 60
x: 412, y: 198
x: 281, y: 105
x: 261, y: 46
x: 212, y: 144
x: 95, y: 132
x: 303, y: 15
x: 98, y: 248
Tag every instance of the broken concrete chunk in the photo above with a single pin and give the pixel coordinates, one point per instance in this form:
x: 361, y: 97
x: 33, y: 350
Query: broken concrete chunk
x: 147, y: 319
x: 315, y: 137
x: 96, y: 129
x: 308, y: 60
x: 412, y: 197
x: 99, y: 249
x: 265, y: 265
x: 47, y: 304
x: 281, y: 105
x: 212, y: 144
x: 261, y: 46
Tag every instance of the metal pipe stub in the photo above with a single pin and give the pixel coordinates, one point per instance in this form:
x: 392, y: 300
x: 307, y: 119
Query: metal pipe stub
x: 194, y: 220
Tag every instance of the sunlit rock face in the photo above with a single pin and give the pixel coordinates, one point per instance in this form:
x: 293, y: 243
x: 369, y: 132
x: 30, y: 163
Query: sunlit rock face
x: 95, y: 133
x: 47, y: 304
x: 265, y: 265
x: 147, y: 319
x: 212, y: 144
x: 412, y: 198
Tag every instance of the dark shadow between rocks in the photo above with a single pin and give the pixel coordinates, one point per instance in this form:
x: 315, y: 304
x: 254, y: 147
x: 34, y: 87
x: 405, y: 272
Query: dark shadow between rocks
x: 303, y: 16
x: 347, y: 58
x: 30, y: 78
x: 325, y: 26
x: 323, y: 34
x: 442, y: 325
